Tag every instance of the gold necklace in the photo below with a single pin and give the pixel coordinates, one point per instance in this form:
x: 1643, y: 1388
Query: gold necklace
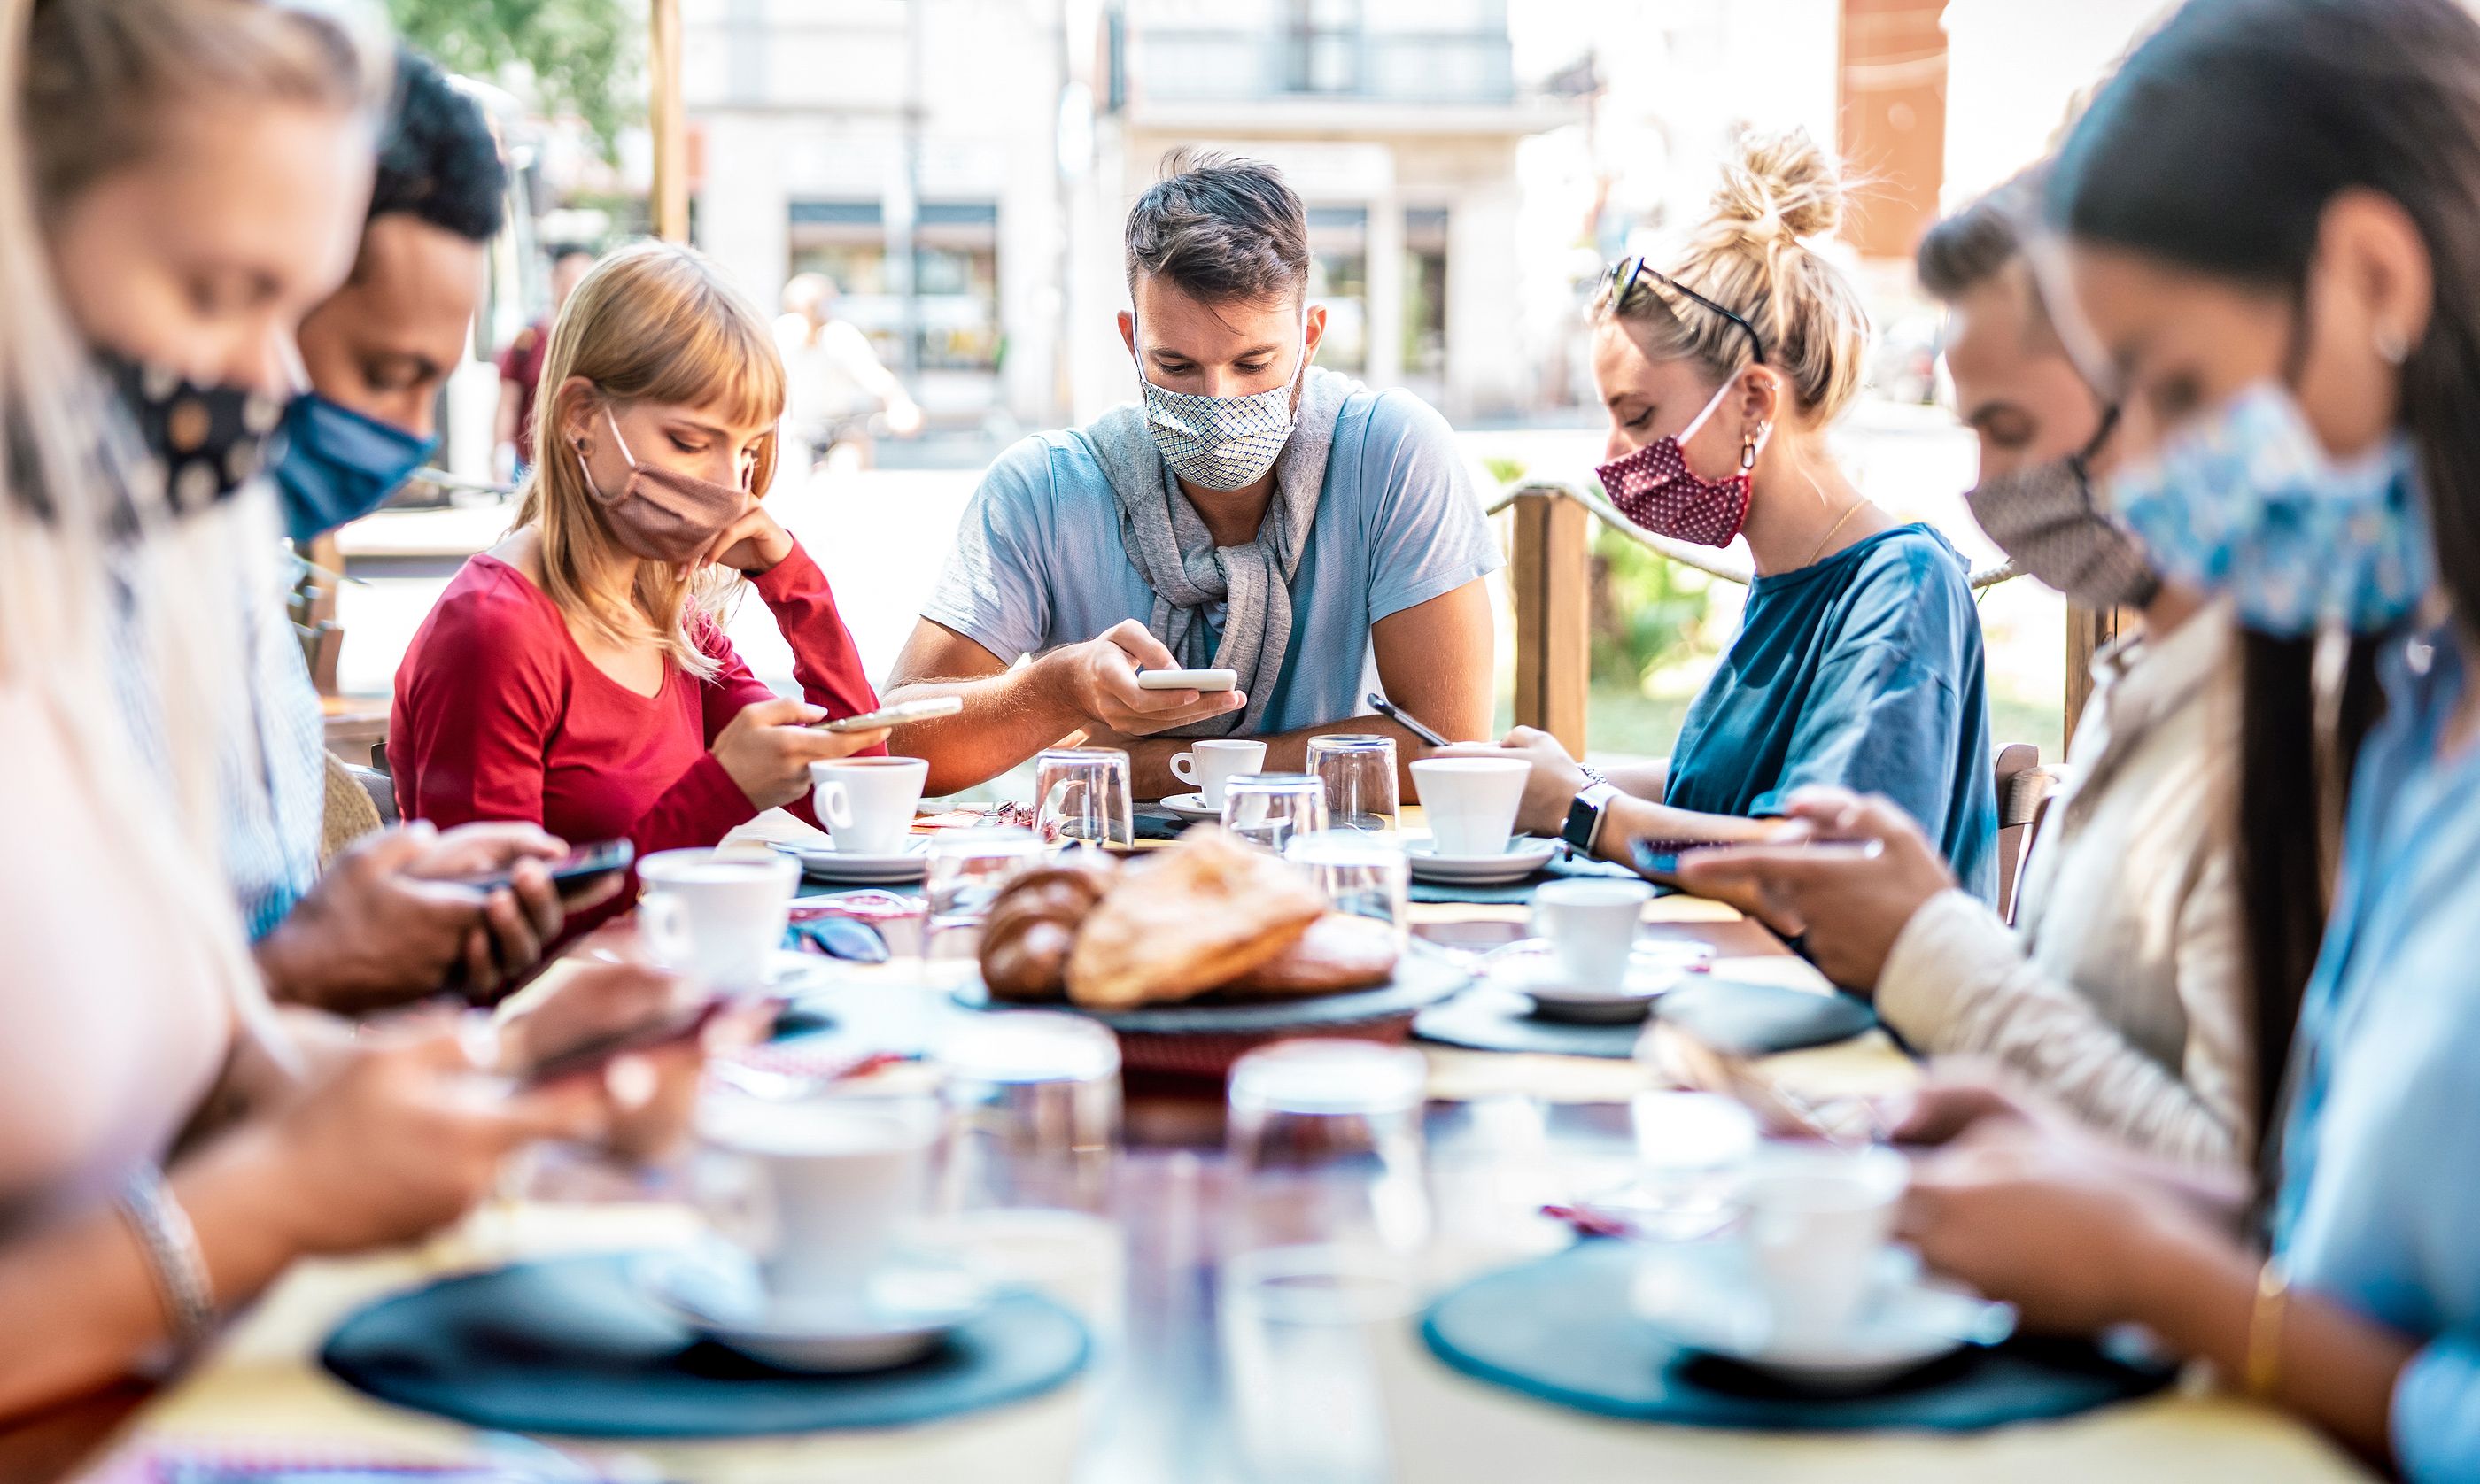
x: 1849, y: 511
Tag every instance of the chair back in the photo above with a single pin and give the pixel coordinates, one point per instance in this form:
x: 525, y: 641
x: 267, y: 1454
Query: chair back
x: 2023, y: 798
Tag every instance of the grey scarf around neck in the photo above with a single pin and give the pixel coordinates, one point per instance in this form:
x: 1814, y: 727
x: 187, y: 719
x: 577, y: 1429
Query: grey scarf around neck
x: 1177, y: 557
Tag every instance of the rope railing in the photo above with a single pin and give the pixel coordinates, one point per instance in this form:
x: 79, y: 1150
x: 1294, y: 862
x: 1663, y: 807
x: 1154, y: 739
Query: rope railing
x: 1680, y: 552
x: 453, y: 481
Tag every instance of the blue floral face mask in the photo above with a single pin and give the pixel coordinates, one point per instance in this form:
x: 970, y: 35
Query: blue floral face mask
x: 2249, y: 503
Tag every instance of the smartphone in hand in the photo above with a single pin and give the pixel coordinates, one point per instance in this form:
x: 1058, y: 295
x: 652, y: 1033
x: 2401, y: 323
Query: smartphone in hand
x: 896, y: 715
x: 581, y: 864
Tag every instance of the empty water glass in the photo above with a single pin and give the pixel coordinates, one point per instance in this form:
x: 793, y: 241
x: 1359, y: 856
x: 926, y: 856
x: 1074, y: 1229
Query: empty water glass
x: 968, y: 870
x: 1358, y: 772
x: 1271, y: 809
x: 1081, y: 797
x: 1363, y: 875
x: 1034, y: 1103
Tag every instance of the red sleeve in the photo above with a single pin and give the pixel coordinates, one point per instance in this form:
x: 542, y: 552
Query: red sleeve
x: 477, y: 703
x: 824, y: 658
x: 512, y: 356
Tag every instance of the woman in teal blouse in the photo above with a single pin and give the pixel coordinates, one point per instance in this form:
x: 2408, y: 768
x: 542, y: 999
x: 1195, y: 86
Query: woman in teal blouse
x: 1858, y: 661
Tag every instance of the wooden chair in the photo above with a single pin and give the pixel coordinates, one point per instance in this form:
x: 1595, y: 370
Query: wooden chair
x: 2023, y: 798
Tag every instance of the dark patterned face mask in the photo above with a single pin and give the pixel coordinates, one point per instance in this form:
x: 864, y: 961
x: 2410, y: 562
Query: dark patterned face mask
x: 201, y: 442
x: 2043, y: 516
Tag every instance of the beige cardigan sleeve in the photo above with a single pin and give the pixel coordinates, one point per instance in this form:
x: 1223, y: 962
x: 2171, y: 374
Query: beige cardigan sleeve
x: 1958, y: 981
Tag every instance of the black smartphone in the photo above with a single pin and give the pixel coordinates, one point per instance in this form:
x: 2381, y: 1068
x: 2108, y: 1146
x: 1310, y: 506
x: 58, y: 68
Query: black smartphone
x: 1411, y: 724
x: 594, y: 1054
x: 1660, y: 857
x: 580, y: 865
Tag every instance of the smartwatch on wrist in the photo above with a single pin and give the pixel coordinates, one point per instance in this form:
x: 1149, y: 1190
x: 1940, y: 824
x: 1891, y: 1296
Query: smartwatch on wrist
x: 1586, y: 813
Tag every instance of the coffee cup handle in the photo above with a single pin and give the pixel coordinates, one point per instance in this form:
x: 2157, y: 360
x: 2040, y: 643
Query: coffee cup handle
x: 835, y: 804
x: 1183, y: 767
x: 663, y: 924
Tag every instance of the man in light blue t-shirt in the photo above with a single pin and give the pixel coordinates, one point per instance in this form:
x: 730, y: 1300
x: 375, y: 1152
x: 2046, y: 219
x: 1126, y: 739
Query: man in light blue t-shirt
x: 1252, y: 513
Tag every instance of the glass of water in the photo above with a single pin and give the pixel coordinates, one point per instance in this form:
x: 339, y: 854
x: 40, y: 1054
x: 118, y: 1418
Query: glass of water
x: 1271, y: 809
x: 1358, y: 772
x: 968, y: 870
x: 1364, y: 875
x: 1081, y: 797
x: 1034, y: 1103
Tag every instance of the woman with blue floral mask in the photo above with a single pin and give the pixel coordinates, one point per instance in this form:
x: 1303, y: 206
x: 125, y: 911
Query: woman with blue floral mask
x: 2290, y: 305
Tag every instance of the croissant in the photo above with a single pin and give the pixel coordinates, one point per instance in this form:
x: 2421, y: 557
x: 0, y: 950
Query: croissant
x: 1191, y: 920
x: 1032, y: 928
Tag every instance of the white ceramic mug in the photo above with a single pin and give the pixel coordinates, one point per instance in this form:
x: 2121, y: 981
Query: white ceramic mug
x: 1207, y: 766
x: 1471, y: 802
x: 718, y: 919
x: 1817, y: 1221
x: 867, y: 803
x: 1591, y: 928
x: 820, y: 1191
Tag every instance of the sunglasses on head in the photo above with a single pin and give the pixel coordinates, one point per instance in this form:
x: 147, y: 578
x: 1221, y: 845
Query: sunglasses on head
x: 1622, y: 277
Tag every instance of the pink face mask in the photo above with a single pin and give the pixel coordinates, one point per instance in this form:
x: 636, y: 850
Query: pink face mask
x: 1655, y: 488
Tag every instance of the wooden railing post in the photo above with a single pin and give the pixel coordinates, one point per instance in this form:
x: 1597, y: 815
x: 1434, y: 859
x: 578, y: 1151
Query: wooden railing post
x: 1550, y: 579
x: 2088, y: 629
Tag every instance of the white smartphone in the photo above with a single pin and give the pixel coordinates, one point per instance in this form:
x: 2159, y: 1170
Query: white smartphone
x: 896, y: 715
x: 1188, y: 679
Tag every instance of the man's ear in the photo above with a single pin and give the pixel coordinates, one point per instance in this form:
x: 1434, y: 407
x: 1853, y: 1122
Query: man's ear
x: 1316, y: 334
x: 1128, y: 331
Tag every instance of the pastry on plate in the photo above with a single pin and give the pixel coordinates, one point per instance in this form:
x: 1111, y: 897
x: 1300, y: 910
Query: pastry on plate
x: 1033, y: 924
x: 1337, y: 953
x: 1190, y: 920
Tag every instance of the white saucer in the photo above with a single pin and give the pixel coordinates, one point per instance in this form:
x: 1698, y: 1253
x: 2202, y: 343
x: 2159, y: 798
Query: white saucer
x: 827, y: 864
x: 1703, y: 1295
x: 1193, y: 806
x: 1655, y: 969
x: 906, y: 1310
x: 1523, y: 856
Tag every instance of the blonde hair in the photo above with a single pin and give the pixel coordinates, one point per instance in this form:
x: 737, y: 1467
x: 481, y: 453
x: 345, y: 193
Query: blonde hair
x: 1750, y: 257
x: 91, y: 83
x: 654, y: 322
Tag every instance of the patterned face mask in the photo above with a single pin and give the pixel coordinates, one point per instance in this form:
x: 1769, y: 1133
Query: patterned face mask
x: 1222, y: 442
x: 1655, y: 488
x: 2043, y: 516
x: 204, y: 442
x: 2248, y: 502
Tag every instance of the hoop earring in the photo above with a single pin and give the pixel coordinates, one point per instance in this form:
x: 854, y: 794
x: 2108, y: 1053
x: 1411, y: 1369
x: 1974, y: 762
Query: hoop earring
x: 1749, y: 445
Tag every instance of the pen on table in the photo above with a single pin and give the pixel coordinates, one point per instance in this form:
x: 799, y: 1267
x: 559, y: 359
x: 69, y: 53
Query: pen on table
x: 1403, y: 719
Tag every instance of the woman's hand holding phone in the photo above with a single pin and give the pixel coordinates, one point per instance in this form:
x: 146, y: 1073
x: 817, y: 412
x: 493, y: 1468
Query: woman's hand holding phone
x: 769, y: 748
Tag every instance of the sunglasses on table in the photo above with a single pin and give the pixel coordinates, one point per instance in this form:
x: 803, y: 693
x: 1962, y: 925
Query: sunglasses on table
x: 1623, y: 275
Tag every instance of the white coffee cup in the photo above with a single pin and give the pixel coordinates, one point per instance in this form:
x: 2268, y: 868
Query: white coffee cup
x: 718, y: 919
x: 1207, y: 766
x: 821, y: 1190
x: 867, y: 803
x: 1591, y: 928
x: 1471, y: 802
x: 1817, y: 1221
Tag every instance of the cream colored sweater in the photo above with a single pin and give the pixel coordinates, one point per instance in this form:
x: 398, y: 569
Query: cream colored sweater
x: 2121, y: 990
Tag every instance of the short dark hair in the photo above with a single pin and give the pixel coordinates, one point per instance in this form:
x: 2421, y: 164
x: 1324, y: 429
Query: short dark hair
x: 561, y: 252
x: 1224, y: 229
x: 439, y: 160
x: 1963, y: 251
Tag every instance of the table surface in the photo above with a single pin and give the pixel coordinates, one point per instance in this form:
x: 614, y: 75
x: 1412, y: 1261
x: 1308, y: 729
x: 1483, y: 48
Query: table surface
x: 1505, y: 1133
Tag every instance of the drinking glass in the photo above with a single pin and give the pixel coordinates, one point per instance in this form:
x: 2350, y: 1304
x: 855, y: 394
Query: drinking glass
x: 1358, y: 773
x: 968, y: 869
x: 1034, y: 1111
x: 1364, y: 875
x: 1333, y: 1211
x: 1269, y: 810
x: 1081, y: 796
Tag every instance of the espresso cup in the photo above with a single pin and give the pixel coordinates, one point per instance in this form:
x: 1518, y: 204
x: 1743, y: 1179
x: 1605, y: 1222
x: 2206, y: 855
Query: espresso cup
x: 820, y: 1191
x: 1471, y: 802
x: 1817, y: 1221
x: 1591, y: 928
x: 867, y: 803
x: 716, y: 919
x: 1207, y: 766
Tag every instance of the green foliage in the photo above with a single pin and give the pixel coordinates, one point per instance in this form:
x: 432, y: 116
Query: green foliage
x: 585, y: 54
x: 1645, y: 610
x: 1505, y: 471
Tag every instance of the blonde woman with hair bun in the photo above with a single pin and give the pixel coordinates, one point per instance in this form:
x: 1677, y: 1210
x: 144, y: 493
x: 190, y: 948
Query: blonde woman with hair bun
x: 575, y: 676
x: 1857, y: 668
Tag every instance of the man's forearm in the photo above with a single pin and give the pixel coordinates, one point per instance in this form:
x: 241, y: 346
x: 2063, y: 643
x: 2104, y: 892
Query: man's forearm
x: 1007, y: 718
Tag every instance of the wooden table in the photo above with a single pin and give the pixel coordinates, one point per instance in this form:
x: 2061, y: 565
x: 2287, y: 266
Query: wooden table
x: 1505, y: 1133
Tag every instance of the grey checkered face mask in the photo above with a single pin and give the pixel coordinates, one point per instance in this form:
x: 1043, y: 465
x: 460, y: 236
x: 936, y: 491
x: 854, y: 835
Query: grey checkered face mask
x: 1222, y: 442
x: 2046, y: 520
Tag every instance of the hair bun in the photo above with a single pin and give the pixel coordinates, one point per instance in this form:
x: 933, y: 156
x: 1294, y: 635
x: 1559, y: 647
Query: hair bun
x: 1778, y: 188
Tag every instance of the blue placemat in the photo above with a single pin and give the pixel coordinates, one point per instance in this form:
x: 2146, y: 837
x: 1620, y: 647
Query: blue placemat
x: 1561, y: 867
x: 1562, y: 1329
x: 1489, y: 1019
x: 571, y: 1347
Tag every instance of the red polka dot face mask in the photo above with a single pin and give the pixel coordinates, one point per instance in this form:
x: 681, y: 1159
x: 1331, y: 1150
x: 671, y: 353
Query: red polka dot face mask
x: 1655, y: 488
